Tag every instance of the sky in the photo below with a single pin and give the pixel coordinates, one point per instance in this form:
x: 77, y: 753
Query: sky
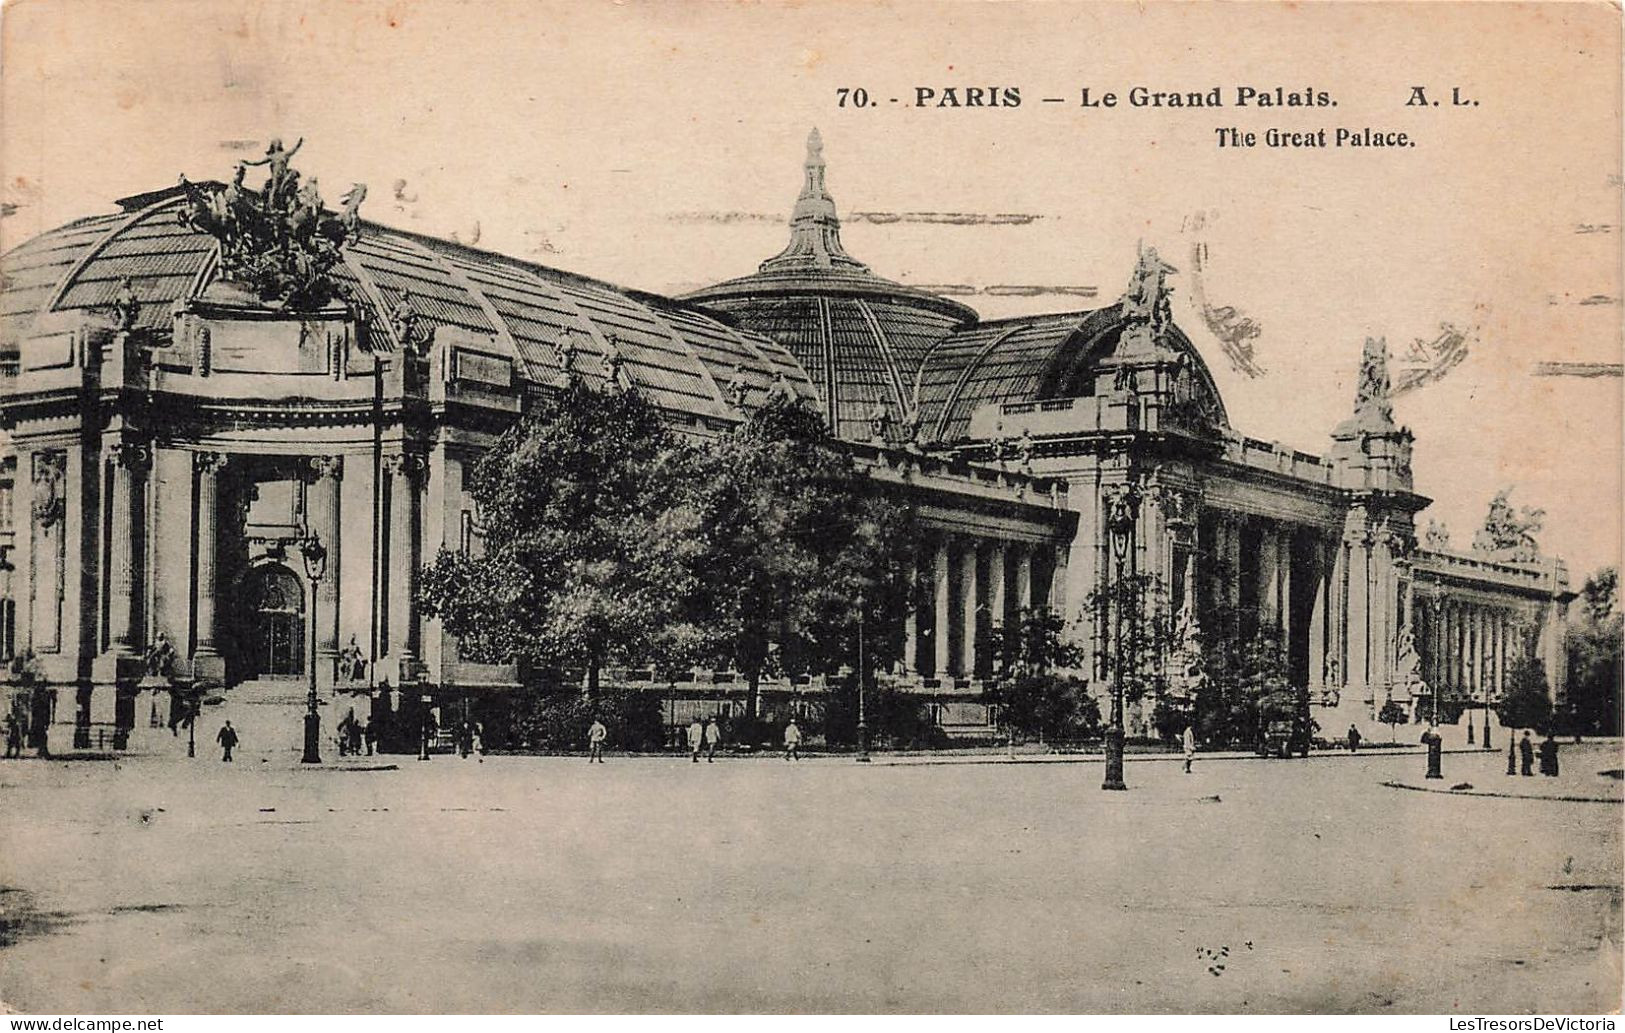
x: 659, y: 146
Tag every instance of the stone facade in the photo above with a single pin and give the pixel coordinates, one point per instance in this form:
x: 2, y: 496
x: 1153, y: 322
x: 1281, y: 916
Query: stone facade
x: 169, y: 441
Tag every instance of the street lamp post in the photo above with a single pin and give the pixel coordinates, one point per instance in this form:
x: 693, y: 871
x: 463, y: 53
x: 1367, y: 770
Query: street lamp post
x: 315, y: 557
x: 863, y: 724
x: 1487, y: 745
x: 1123, y: 515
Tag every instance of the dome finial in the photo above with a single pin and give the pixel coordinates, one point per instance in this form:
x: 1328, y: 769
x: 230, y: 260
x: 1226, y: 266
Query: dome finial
x: 815, y: 231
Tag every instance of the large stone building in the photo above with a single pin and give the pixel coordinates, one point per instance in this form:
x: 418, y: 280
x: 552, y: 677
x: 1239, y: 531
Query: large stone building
x: 171, y: 440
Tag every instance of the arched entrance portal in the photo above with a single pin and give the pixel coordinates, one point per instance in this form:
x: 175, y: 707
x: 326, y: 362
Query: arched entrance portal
x: 275, y: 601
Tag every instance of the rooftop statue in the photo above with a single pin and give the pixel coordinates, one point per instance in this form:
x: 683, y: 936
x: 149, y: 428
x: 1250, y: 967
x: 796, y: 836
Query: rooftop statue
x: 1146, y: 299
x: 880, y: 421
x: 738, y: 389
x: 567, y: 355
x: 1373, y: 398
x: 780, y: 391
x: 281, y: 243
x: 912, y: 425
x: 125, y: 305
x: 1508, y: 535
x: 409, y: 328
x: 1145, y: 306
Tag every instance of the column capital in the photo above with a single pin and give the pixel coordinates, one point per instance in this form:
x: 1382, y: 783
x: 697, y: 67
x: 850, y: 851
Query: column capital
x: 131, y: 455
x: 211, y: 463
x: 412, y: 465
x: 325, y: 467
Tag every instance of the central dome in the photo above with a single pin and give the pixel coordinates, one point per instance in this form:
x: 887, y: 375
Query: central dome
x: 861, y: 338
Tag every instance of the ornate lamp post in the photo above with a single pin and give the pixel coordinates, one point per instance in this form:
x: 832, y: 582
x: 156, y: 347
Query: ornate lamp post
x: 314, y: 554
x: 863, y: 724
x: 1122, y: 516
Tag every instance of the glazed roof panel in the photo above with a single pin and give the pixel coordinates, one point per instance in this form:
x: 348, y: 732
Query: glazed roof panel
x: 676, y: 352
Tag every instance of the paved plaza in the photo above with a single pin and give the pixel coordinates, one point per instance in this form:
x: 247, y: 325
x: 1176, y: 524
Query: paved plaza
x: 649, y: 884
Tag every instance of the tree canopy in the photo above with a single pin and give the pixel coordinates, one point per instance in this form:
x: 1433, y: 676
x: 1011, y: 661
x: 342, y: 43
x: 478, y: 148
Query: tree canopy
x: 1592, y: 698
x: 794, y: 537
x: 589, y: 538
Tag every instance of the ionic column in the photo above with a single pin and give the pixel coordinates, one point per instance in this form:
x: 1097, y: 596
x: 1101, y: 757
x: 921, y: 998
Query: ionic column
x: 1464, y: 642
x: 1358, y: 673
x: 940, y: 616
x: 1501, y: 631
x: 1475, y: 628
x: 1024, y: 578
x: 207, y: 465
x: 1317, y: 615
x: 911, y: 619
x: 969, y: 598
x: 1269, y: 585
x: 997, y: 603
x: 406, y: 475
x: 1283, y: 578
x: 324, y: 515
x: 128, y: 462
x: 1233, y: 560
x: 1381, y: 604
x: 1337, y: 607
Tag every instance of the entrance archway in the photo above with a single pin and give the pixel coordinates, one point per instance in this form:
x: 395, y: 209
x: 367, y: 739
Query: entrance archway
x: 275, y: 600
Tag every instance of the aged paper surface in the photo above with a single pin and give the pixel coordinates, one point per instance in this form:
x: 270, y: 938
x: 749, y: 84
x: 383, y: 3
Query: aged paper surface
x: 1312, y: 178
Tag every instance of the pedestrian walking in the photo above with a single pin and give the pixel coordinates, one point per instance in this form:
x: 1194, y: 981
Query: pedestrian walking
x: 344, y: 732
x: 1526, y: 755
x: 476, y: 741
x: 14, y: 736
x: 352, y: 736
x: 369, y: 736
x: 1354, y: 739
x: 227, y: 738
x: 595, y: 741
x: 1548, y: 756
x: 1512, y: 756
x: 465, y: 739
x: 696, y: 738
x: 713, y: 736
x: 1188, y: 741
x: 792, y: 741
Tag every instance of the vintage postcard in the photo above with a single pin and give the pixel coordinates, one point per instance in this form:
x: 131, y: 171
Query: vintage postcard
x: 819, y: 507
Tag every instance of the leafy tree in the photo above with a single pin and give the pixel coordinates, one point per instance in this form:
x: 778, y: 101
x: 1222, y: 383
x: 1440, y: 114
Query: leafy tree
x: 1393, y: 715
x: 1592, y: 700
x: 1135, y: 609
x: 1246, y: 685
x: 793, y: 536
x: 1035, y: 699
x: 1508, y: 535
x: 1527, y: 702
x: 1035, y: 644
x: 1049, y: 706
x: 589, y: 538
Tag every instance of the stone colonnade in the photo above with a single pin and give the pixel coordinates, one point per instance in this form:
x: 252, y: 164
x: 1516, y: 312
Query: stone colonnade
x: 965, y: 587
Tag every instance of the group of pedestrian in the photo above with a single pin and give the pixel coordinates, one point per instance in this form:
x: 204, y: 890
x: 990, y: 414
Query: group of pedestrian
x: 471, y: 740
x: 354, y: 736
x: 1526, y: 756
x: 706, y: 737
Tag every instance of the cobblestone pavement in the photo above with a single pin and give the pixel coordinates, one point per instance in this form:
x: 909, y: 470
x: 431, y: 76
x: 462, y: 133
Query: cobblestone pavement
x: 546, y: 884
